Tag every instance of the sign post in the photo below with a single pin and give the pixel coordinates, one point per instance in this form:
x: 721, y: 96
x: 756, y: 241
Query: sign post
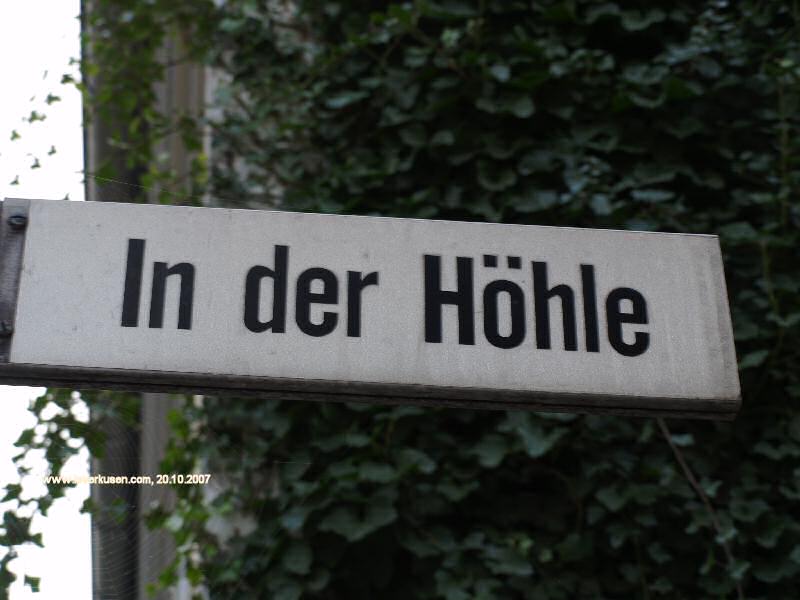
x: 327, y: 307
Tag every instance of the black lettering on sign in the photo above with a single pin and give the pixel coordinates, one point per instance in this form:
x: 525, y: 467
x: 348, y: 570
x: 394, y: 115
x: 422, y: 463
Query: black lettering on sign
x: 160, y: 273
x: 436, y: 298
x: 252, y: 294
x: 131, y: 295
x: 590, y: 308
x: 494, y: 303
x: 355, y: 285
x: 491, y: 322
x: 305, y: 298
x: 133, y: 283
x: 616, y: 318
x: 541, y: 299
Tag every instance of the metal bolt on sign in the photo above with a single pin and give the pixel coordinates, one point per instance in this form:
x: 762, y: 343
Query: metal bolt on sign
x: 17, y: 222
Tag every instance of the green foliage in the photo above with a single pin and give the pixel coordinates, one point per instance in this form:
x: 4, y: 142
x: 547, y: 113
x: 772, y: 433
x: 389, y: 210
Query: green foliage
x: 123, y: 58
x: 673, y: 117
x: 59, y: 433
x: 676, y: 118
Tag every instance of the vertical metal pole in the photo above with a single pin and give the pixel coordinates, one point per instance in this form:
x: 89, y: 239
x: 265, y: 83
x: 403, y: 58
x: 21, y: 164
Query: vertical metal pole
x: 181, y: 91
x: 115, y: 531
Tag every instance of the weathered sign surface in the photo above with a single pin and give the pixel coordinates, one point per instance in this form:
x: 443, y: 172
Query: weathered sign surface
x: 364, y: 308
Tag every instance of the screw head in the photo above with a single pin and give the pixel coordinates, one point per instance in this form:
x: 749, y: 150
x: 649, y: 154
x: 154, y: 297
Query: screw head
x: 17, y: 222
x: 6, y: 328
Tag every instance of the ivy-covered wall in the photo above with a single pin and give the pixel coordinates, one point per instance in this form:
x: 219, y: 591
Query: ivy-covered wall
x: 657, y: 116
x: 668, y: 116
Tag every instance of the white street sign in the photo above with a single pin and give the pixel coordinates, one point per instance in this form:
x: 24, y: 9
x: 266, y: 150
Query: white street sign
x: 131, y: 296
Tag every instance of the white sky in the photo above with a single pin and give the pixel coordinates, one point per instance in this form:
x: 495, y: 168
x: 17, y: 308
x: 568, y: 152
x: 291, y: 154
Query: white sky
x: 37, y: 40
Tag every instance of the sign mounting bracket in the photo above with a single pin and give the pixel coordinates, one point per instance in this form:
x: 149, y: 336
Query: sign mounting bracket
x: 13, y: 225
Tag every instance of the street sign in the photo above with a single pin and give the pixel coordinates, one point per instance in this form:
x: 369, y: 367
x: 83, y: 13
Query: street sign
x: 327, y: 307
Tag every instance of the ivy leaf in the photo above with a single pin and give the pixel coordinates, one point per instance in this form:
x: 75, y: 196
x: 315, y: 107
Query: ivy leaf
x: 13, y: 491
x: 500, y: 72
x: 682, y: 440
x: 288, y: 590
x: 662, y: 586
x: 739, y: 568
x: 411, y: 458
x: 748, y: 510
x: 343, y: 99
x: 443, y: 138
x: 294, y: 518
x: 536, y: 439
x: 652, y: 195
x: 536, y: 161
x: 599, y: 11
x: 647, y: 101
x: 636, y: 20
x: 495, y: 178
x: 753, y: 359
x: 356, y: 440
x: 455, y: 492
x: 17, y: 529
x: 601, y: 205
x: 507, y: 561
x: 658, y: 553
x: 773, y: 572
x: 344, y: 521
x: 36, y: 116
x: 414, y: 135
x: 487, y: 105
x: 451, y: 9
x: 25, y: 438
x: 297, y: 559
x: 612, y: 497
x: 535, y: 201
x: 33, y: 583
x: 738, y: 232
x: 771, y: 531
x: 490, y: 450
x: 522, y: 107
x: 420, y: 546
x: 379, y: 473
